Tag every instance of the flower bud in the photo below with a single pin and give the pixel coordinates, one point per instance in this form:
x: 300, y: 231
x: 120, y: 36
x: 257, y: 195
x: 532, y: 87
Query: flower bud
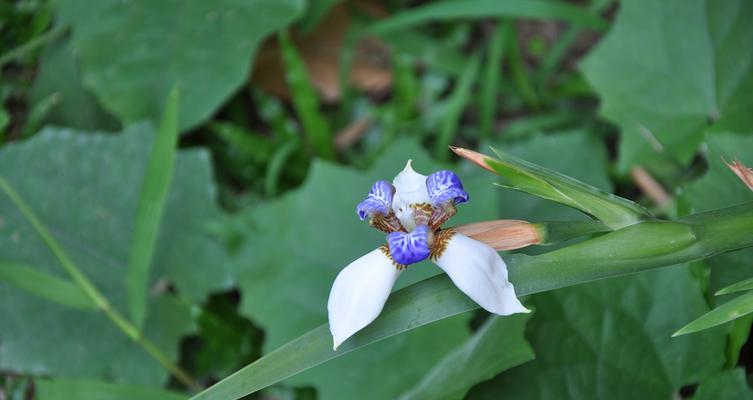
x: 502, y: 234
x: 744, y: 173
x: 473, y: 156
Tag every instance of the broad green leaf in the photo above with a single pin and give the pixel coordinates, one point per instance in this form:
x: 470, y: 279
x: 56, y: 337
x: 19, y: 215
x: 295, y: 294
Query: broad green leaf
x: 59, y: 77
x: 498, y: 345
x: 671, y: 70
x: 45, y: 285
x: 530, y: 178
x: 295, y: 246
x: 726, y: 385
x: 89, y: 210
x: 62, y: 389
x: 741, y: 286
x: 733, y: 309
x: 152, y: 199
x: 611, y: 339
x: 464, y: 9
x: 133, y: 53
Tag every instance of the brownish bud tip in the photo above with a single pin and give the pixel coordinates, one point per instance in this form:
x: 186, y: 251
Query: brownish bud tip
x: 502, y: 234
x: 473, y: 156
x: 744, y: 173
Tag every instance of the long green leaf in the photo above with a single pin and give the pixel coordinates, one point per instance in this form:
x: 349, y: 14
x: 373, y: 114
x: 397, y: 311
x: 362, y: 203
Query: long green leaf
x: 640, y: 247
x: 45, y: 285
x: 454, y: 10
x: 65, y: 389
x: 743, y: 285
x: 616, y: 212
x: 154, y: 192
x: 729, y: 311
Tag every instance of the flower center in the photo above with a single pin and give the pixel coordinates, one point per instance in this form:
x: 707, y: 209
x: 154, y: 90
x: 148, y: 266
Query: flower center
x: 411, y: 211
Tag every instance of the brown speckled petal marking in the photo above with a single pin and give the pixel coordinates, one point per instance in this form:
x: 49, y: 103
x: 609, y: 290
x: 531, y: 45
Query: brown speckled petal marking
x: 439, y: 245
x: 386, y: 250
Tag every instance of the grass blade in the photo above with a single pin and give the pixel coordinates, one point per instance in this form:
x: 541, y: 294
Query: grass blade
x: 305, y: 100
x: 729, y: 311
x: 519, y: 71
x: 152, y: 201
x: 743, y: 285
x: 45, y: 285
x: 695, y: 237
x: 492, y: 73
x: 560, y: 49
x: 454, y: 10
x: 455, y: 106
x: 66, y: 389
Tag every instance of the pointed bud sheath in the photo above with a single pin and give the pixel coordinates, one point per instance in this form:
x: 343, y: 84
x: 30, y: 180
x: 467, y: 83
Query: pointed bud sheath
x: 744, y: 173
x: 479, y: 272
x: 359, y: 293
x: 530, y: 178
x: 475, y: 157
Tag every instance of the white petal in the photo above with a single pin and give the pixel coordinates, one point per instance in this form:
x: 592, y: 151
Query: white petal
x: 359, y: 293
x: 479, y: 271
x: 410, y: 188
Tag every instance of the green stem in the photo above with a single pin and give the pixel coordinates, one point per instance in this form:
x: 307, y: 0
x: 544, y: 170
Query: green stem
x: 643, y: 246
x: 88, y: 287
x: 32, y: 45
x: 557, y: 232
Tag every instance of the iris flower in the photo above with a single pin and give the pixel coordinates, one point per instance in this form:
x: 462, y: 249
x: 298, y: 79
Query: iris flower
x: 411, y: 210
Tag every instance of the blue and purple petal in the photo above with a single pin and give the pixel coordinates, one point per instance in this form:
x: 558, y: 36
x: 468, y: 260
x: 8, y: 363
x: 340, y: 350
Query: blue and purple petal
x: 378, y: 201
x: 409, y: 248
x: 444, y: 186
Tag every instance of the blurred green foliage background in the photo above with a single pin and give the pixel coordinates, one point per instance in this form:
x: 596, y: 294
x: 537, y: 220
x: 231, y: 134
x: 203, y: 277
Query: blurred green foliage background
x: 288, y: 111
